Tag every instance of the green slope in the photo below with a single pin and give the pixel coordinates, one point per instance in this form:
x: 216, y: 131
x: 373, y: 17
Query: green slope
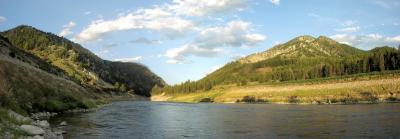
x: 305, y: 46
x: 81, y: 65
x: 28, y: 84
x: 297, y: 59
x: 302, y: 58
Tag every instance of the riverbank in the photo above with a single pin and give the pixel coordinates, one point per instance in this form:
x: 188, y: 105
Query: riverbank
x: 14, y: 125
x: 380, y: 90
x: 36, y: 125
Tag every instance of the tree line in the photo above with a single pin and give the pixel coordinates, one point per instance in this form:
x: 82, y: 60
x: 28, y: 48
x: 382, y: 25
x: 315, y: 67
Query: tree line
x: 284, y: 69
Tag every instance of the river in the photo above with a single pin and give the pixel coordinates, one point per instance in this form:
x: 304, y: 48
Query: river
x: 145, y: 119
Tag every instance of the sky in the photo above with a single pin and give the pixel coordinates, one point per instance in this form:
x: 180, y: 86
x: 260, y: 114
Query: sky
x: 183, y: 40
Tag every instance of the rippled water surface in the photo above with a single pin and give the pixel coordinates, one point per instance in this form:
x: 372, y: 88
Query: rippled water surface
x: 144, y: 119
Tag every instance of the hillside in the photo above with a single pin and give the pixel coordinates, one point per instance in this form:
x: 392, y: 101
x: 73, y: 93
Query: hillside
x: 81, y: 65
x: 363, y: 88
x: 28, y: 84
x: 305, y: 46
x: 302, y: 59
x: 41, y: 73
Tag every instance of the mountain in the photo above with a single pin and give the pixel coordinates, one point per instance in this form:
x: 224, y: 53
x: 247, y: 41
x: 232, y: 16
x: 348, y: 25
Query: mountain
x: 302, y: 58
x: 298, y: 58
x: 305, y: 46
x: 29, y: 84
x: 81, y: 65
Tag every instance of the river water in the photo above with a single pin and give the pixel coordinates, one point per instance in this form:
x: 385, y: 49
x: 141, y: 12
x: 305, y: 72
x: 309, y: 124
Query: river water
x: 145, y: 119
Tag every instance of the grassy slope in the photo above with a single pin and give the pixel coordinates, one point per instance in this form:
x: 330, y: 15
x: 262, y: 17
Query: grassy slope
x: 80, y: 64
x: 28, y: 84
x: 361, y: 88
x: 295, y: 72
x: 27, y: 89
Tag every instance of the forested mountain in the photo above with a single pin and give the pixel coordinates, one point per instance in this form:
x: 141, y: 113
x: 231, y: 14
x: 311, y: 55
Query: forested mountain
x: 29, y: 84
x: 305, y: 46
x: 81, y: 65
x: 302, y: 58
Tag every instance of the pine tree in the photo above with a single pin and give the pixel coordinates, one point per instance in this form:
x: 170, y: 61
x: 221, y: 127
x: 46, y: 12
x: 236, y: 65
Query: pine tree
x: 381, y: 62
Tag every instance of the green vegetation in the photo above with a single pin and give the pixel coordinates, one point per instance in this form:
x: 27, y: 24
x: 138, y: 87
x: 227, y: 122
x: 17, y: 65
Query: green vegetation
x: 29, y: 84
x: 27, y: 90
x: 80, y: 65
x: 364, y: 88
x: 303, y: 59
x: 6, y: 123
x: 41, y: 72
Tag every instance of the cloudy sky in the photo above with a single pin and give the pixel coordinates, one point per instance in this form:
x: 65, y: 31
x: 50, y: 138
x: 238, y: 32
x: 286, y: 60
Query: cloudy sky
x: 186, y: 39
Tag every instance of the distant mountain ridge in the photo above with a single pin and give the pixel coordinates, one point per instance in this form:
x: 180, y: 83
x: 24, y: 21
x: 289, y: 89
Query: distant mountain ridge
x: 305, y: 46
x: 80, y: 64
x: 302, y: 58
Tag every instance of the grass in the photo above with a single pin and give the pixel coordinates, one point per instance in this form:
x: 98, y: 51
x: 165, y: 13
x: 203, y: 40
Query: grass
x: 7, y: 122
x: 26, y: 89
x: 364, y: 89
x: 195, y: 97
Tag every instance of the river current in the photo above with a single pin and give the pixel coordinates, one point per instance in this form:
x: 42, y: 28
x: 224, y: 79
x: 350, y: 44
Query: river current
x: 146, y: 119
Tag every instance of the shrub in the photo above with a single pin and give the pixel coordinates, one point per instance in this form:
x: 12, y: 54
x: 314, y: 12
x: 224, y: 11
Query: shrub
x: 293, y: 99
x: 206, y: 100
x: 391, y: 98
x: 55, y: 105
x: 368, y: 96
x: 248, y: 99
x: 90, y: 103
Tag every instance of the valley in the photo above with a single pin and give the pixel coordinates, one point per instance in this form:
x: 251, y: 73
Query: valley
x: 379, y: 88
x: 199, y: 69
x: 304, y: 70
x: 44, y: 74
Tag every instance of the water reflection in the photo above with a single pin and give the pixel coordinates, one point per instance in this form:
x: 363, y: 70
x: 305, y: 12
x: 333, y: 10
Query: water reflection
x: 177, y: 120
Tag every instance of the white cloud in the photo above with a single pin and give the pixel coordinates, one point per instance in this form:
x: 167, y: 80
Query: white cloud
x: 275, y: 2
x: 348, y: 26
x: 395, y: 39
x: 67, y: 29
x: 130, y: 59
x: 156, y: 19
x: 349, y: 29
x: 368, y: 41
x: 177, y: 19
x: 2, y: 19
x: 88, y: 12
x: 168, y: 19
x: 211, y: 41
x: 206, y: 7
x: 178, y: 55
x: 145, y: 41
x: 234, y: 34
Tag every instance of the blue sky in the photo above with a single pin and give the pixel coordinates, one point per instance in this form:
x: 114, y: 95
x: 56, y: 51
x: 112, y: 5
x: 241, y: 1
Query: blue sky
x: 186, y: 39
